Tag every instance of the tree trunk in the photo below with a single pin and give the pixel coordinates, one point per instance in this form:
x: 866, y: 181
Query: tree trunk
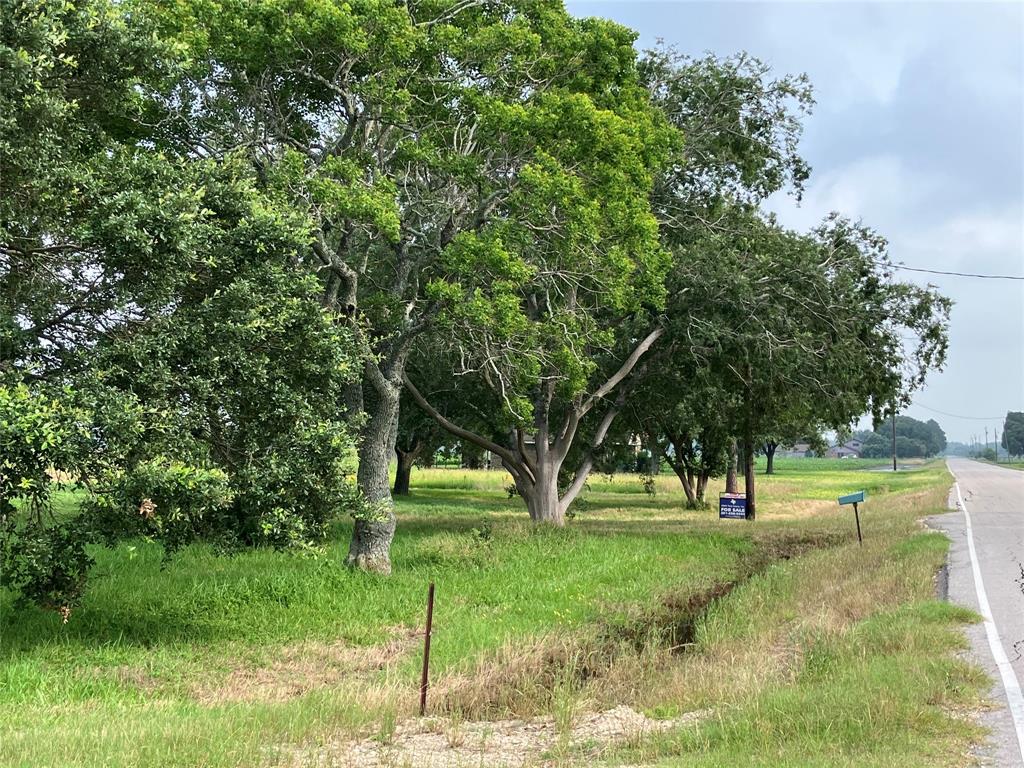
x: 654, y: 456
x: 702, y: 484
x: 769, y: 452
x: 472, y: 455
x: 370, y: 549
x: 748, y: 455
x: 748, y: 472
x: 404, y: 472
x: 686, y: 480
x: 542, y: 499
x: 730, y: 476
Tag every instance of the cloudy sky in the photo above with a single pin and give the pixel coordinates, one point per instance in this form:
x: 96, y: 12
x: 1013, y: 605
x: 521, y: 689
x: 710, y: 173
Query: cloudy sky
x: 919, y: 131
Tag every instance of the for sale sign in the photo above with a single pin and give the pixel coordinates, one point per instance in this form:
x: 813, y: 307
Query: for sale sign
x: 732, y: 506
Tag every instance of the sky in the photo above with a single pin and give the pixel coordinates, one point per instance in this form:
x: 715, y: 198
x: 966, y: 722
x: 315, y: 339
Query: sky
x: 918, y: 130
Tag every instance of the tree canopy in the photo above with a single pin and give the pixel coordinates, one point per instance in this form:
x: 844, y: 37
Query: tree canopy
x: 233, y: 234
x: 914, y: 439
x: 1013, y: 433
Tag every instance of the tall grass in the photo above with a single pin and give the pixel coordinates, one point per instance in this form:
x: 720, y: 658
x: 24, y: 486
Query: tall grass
x: 841, y: 657
x: 220, y: 660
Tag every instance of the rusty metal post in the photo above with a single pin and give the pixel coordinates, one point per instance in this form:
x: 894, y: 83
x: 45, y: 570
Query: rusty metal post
x: 856, y: 515
x: 424, y: 680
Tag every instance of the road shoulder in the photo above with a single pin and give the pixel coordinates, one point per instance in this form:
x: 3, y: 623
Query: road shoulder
x: 1001, y: 749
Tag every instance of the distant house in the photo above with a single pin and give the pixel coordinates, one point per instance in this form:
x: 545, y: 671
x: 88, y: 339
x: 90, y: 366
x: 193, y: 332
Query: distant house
x: 795, y: 451
x: 849, y: 450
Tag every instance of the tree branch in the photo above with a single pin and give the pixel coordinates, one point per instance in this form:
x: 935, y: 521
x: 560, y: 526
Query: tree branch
x: 508, y: 456
x: 624, y: 370
x: 588, y: 461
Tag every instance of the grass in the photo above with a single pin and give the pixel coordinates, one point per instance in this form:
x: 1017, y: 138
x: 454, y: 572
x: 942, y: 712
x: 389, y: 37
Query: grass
x: 1009, y: 463
x: 859, y: 672
x: 212, y: 660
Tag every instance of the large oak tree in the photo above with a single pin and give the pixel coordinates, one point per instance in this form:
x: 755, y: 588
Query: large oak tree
x: 446, y: 156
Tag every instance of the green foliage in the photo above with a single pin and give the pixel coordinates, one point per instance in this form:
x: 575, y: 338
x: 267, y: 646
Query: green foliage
x: 246, y: 374
x: 742, y: 129
x: 44, y: 564
x: 876, y: 446
x: 165, y: 500
x: 576, y: 254
x: 40, y: 561
x: 824, y: 345
x: 914, y: 439
x: 1012, y: 438
x: 414, y: 152
x: 33, y: 439
x: 70, y: 113
x: 158, y: 294
x: 910, y: 448
x: 784, y: 334
x: 741, y: 126
x: 988, y: 454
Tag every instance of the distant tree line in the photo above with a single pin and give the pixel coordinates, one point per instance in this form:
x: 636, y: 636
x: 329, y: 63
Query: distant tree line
x: 914, y: 439
x: 1010, y: 440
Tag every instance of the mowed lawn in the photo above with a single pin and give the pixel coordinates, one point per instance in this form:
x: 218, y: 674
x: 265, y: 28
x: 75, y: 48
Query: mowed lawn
x: 823, y: 652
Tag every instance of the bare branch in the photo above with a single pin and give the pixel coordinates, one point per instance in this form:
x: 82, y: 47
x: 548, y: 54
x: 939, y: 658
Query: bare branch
x: 508, y: 456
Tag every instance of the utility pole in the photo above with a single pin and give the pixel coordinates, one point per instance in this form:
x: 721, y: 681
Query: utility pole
x: 986, y: 439
x: 894, y: 436
x: 995, y: 442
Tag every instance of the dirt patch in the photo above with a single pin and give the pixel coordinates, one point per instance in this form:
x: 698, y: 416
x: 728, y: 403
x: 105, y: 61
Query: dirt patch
x: 519, y: 678
x: 446, y: 743
x: 299, y: 669
x: 673, y: 622
x: 772, y: 549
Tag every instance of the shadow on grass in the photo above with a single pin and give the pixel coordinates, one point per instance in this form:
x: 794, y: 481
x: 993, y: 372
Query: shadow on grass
x: 198, y: 597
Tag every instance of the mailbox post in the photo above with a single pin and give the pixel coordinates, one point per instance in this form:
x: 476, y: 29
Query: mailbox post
x: 855, y: 499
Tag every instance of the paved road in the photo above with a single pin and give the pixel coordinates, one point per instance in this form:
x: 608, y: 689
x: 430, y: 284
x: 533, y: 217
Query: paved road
x: 994, y: 501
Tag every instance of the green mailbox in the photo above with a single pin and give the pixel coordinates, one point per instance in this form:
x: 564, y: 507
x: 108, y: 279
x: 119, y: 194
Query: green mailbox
x: 852, y: 498
x: 855, y: 499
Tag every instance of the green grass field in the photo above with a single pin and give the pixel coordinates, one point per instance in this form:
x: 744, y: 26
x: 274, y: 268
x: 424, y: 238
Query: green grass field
x: 823, y: 652
x: 1009, y: 463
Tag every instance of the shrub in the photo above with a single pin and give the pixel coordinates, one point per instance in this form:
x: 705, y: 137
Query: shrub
x: 41, y: 562
x: 166, y: 500
x: 46, y: 565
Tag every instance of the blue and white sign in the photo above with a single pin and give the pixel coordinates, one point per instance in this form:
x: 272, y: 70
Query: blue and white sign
x: 732, y: 506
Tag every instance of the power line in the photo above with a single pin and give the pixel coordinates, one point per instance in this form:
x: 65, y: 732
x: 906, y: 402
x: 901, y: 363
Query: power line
x: 958, y: 416
x: 953, y: 274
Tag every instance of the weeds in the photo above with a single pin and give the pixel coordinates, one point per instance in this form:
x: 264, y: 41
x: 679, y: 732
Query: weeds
x: 565, y: 706
x: 637, y: 602
x: 454, y: 733
x: 388, y: 725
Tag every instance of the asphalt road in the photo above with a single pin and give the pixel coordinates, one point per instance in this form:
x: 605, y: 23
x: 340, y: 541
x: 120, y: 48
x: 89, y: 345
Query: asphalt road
x: 986, y: 573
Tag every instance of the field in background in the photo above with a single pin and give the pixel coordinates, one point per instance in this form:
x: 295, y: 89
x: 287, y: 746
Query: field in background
x: 1009, y: 463
x: 800, y: 487
x: 798, y: 646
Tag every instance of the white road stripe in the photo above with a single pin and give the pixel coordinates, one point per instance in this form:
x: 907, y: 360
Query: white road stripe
x: 1010, y: 683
